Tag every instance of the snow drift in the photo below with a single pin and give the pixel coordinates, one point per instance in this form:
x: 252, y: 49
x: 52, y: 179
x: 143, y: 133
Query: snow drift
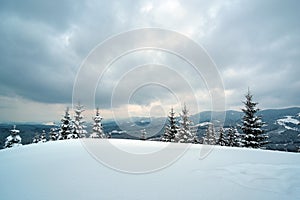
x: 65, y: 170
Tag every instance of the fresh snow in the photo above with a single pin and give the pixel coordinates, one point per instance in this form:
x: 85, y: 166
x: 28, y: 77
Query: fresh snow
x: 65, y: 170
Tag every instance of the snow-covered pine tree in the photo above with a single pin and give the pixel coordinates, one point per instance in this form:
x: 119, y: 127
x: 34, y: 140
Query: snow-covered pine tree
x: 97, y: 127
x: 222, y: 141
x: 53, y: 135
x: 171, y: 128
x: 143, y: 134
x: 234, y: 139
x: 254, y: 136
x: 210, y: 136
x: 185, y: 133
x: 43, y: 136
x: 66, y: 128
x: 78, y: 123
x: 36, y: 138
x: 13, y: 139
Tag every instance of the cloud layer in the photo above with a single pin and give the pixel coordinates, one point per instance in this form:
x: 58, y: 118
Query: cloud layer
x: 43, y: 44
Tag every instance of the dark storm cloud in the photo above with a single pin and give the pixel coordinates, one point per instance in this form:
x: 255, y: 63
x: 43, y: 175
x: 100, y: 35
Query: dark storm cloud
x: 35, y: 63
x: 254, y: 43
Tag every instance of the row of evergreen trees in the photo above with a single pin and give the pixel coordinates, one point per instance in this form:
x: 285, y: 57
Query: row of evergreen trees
x: 177, y: 130
x: 69, y: 129
x: 75, y: 128
x: 253, y: 135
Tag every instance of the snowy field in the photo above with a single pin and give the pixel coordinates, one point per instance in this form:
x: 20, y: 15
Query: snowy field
x: 65, y: 170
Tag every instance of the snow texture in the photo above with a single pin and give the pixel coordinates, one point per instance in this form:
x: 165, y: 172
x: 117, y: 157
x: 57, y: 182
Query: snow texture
x: 64, y: 170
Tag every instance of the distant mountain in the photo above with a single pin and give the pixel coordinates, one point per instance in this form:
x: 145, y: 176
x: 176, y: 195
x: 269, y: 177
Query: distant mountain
x: 282, y: 127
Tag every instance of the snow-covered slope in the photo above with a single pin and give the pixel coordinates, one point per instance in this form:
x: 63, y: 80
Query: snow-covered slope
x: 288, y: 120
x: 65, y: 170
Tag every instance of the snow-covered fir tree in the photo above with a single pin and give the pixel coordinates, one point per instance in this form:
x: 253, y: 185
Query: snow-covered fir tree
x: 97, y: 127
x: 36, y: 138
x: 254, y: 136
x: 13, y: 139
x: 210, y: 136
x: 43, y: 136
x: 185, y: 133
x: 78, y: 123
x: 234, y: 138
x: 143, y: 134
x: 54, y: 134
x: 40, y: 138
x: 171, y: 128
x: 66, y: 127
x: 222, y: 140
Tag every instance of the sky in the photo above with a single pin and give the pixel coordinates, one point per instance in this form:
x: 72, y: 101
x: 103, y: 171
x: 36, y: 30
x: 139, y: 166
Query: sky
x: 44, y: 45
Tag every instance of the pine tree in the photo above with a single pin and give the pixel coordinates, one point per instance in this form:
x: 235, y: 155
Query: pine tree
x: 40, y: 138
x: 36, y: 138
x: 210, y: 137
x: 66, y: 128
x: 234, y: 139
x: 43, y: 136
x: 185, y: 133
x: 143, y: 134
x: 97, y: 127
x: 53, y: 135
x: 78, y: 123
x: 254, y: 136
x: 171, y: 128
x: 13, y: 139
x: 222, y: 138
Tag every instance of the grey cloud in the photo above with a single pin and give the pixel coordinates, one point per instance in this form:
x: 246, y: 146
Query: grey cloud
x: 44, y: 42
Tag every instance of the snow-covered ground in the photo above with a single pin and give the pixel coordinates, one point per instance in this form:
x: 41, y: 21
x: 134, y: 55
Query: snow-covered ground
x: 65, y: 170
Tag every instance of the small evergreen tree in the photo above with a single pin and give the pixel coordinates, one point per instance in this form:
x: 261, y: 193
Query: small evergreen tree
x: 254, y: 136
x: 66, y: 128
x: 36, y: 138
x: 78, y: 123
x: 185, y: 133
x: 53, y: 135
x: 210, y: 136
x: 43, y: 136
x: 97, y: 127
x: 143, y: 134
x: 40, y: 138
x: 13, y: 139
x: 234, y: 139
x: 171, y: 128
x: 222, y: 138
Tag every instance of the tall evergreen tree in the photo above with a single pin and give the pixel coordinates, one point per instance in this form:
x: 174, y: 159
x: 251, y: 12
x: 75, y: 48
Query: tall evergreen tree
x: 171, y: 128
x: 254, y: 136
x: 97, y: 127
x: 185, y: 133
x: 210, y: 136
x: 78, y: 123
x: 222, y: 138
x: 66, y: 127
x: 13, y: 139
